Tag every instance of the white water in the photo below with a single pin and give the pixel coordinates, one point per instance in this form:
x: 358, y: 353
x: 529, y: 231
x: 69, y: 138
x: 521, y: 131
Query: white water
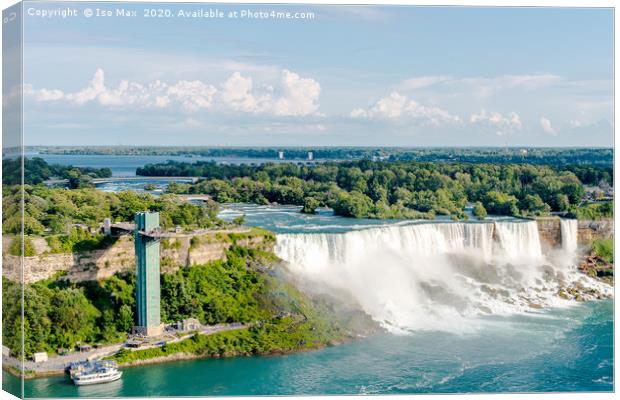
x: 432, y: 276
x: 568, y: 228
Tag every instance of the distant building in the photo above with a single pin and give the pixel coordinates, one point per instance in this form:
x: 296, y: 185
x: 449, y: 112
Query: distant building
x: 39, y: 357
x: 281, y: 155
x: 310, y: 156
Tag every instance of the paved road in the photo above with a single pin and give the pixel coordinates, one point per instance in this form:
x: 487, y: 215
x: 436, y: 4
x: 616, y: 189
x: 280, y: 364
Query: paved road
x: 58, y: 363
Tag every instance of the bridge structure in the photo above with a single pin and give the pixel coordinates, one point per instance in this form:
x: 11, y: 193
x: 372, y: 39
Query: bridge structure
x: 99, y: 181
x: 194, y: 197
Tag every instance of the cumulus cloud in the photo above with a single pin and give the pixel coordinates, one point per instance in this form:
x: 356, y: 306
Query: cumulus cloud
x: 546, y: 126
x: 300, y: 95
x: 192, y: 95
x: 237, y: 93
x: 291, y: 95
x: 494, y: 119
x: 396, y: 106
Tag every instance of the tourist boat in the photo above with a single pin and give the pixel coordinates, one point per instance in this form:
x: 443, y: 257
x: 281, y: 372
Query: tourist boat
x: 99, y: 373
x: 87, y: 366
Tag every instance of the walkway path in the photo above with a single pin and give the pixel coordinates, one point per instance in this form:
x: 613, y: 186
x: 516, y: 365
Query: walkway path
x: 58, y: 363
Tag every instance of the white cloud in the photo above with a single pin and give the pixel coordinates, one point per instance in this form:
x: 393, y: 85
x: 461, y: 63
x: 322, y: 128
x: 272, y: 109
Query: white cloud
x: 482, y: 86
x: 237, y: 93
x: 192, y: 95
x: 426, y: 81
x: 546, y: 125
x: 290, y: 95
x: 396, y: 106
x: 49, y: 95
x: 300, y: 95
x: 92, y: 91
x: 510, y: 121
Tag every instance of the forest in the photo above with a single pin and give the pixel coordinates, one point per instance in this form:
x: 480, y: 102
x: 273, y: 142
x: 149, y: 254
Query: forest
x: 498, y: 155
x: 399, y: 189
x: 37, y: 171
x: 60, y: 314
x: 69, y: 220
x: 57, y: 210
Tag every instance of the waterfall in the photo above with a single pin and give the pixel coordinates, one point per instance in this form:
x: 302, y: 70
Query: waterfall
x: 568, y: 228
x: 519, y: 240
x: 431, y: 275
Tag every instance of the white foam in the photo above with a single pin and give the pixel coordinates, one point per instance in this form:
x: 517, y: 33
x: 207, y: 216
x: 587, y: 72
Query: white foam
x: 434, y: 275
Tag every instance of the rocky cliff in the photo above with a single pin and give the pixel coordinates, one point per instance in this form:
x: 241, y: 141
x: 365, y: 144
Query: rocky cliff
x: 587, y: 230
x: 119, y: 257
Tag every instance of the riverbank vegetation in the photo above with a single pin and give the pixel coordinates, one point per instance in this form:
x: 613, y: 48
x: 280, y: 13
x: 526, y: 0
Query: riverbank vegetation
x: 599, y: 262
x: 245, y: 287
x: 37, y: 171
x: 593, y: 211
x: 392, y: 189
x: 56, y: 211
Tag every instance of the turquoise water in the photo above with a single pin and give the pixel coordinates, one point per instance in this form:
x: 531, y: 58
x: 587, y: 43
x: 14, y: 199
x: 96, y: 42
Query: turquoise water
x: 558, y: 350
x: 569, y: 349
x: 289, y: 219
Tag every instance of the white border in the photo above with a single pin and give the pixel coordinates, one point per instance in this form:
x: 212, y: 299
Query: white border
x: 483, y: 3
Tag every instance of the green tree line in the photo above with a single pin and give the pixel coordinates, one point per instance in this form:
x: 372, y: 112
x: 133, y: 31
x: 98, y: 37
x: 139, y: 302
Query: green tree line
x: 56, y: 211
x: 387, y: 189
x: 36, y: 170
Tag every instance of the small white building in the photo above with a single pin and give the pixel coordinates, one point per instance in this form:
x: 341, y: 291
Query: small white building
x: 281, y: 155
x: 310, y: 156
x: 189, y: 324
x: 39, y: 357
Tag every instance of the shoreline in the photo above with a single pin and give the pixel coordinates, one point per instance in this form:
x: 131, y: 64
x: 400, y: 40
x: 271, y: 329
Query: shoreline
x: 184, y: 356
x: 171, y: 358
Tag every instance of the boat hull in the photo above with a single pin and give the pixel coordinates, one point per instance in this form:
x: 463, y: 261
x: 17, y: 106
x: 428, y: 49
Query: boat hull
x: 112, y: 378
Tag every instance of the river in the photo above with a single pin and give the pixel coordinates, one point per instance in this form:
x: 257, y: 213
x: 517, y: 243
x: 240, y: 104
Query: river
x: 456, y: 299
x: 125, y: 165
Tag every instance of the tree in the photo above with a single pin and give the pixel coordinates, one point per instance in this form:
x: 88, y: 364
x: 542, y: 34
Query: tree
x: 125, y: 321
x: 354, y: 204
x: 310, y: 205
x: 501, y: 203
x: 240, y: 220
x: 73, y: 317
x: 479, y: 211
x: 534, y: 205
x: 15, y: 248
x: 561, y: 202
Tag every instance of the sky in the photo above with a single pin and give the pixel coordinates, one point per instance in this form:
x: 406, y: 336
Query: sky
x: 351, y: 75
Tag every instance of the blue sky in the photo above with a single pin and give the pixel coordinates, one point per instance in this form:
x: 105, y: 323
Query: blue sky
x: 377, y: 76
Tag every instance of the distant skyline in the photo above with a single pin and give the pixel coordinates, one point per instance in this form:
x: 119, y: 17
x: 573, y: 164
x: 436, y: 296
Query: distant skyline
x: 351, y: 76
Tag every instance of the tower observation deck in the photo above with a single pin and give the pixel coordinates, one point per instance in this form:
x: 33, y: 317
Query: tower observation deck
x: 147, y: 276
